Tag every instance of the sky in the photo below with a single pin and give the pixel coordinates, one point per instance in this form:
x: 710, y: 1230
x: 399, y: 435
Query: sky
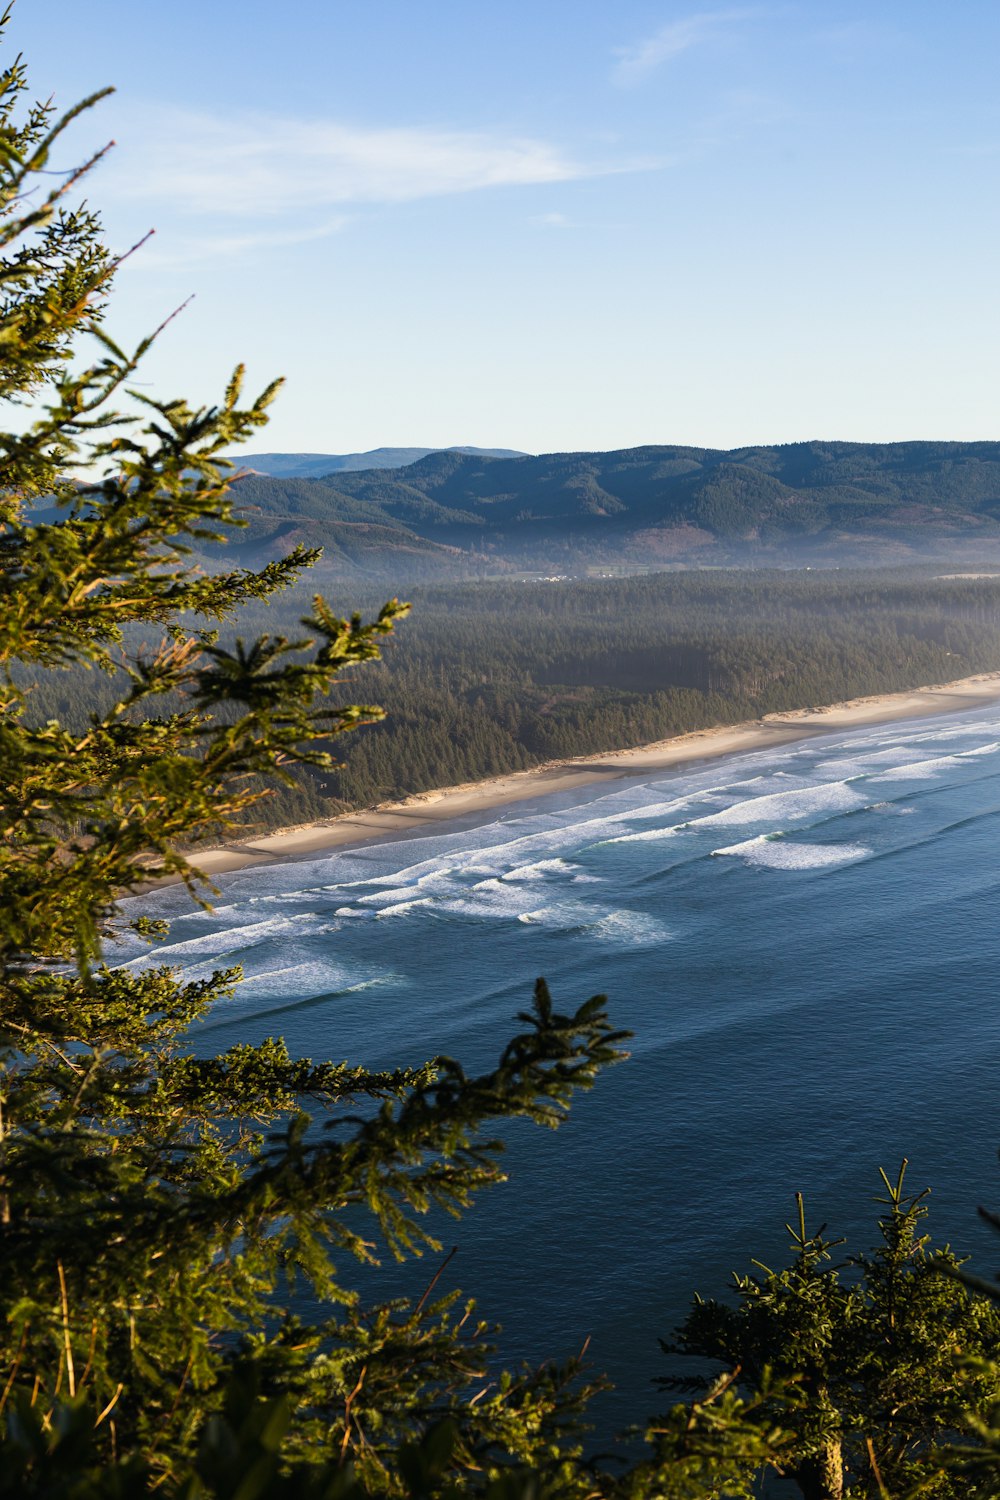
x: 550, y: 224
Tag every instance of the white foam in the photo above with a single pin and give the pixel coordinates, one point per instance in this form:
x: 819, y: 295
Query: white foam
x: 893, y: 756
x: 918, y: 770
x: 512, y: 858
x: 842, y: 770
x: 521, y: 869
x: 227, y: 940
x: 493, y: 898
x: 645, y: 811
x: 426, y: 883
x: 631, y: 929
x: 401, y: 908
x: 564, y: 916
x: 957, y: 732
x: 445, y: 878
x: 541, y: 870
x: 990, y: 749
x: 898, y: 762
x: 648, y: 836
x: 498, y: 893
x: 782, y: 854
x: 847, y: 769
x: 801, y: 802
x: 305, y: 979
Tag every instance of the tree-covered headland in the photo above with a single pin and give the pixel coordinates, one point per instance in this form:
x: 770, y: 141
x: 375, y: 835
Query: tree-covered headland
x: 159, y: 1210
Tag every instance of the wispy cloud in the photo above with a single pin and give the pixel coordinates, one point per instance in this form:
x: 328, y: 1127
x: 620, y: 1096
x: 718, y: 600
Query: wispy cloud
x: 265, y: 167
x: 182, y: 251
x: 636, y: 62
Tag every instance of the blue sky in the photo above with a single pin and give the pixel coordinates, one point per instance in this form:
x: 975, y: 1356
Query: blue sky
x: 553, y: 225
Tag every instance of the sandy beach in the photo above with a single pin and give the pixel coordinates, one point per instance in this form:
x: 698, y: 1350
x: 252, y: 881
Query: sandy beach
x: 426, y: 808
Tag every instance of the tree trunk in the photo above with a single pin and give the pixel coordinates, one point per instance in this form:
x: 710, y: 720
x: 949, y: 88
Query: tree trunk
x: 822, y: 1476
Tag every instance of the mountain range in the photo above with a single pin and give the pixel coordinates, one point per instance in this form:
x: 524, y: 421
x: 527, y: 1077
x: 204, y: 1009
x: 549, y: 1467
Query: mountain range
x: 457, y: 512
x: 318, y: 465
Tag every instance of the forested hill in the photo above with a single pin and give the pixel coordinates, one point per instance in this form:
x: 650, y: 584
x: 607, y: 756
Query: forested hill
x: 460, y: 512
x: 319, y: 465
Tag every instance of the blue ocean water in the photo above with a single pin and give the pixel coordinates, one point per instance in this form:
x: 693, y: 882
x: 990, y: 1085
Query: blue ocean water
x: 805, y: 942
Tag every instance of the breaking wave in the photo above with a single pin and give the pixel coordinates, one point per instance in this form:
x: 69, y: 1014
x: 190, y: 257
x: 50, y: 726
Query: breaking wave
x: 800, y: 802
x: 774, y: 852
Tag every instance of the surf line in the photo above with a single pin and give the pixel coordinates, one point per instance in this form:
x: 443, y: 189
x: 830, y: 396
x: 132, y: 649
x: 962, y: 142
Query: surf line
x: 424, y: 809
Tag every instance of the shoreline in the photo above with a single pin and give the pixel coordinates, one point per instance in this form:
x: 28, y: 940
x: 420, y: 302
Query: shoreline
x: 423, y: 809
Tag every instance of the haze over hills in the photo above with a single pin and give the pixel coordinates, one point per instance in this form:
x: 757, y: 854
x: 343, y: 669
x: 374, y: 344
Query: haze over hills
x: 458, y: 513
x: 316, y: 465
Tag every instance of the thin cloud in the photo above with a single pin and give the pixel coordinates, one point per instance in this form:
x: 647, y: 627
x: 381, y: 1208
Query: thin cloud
x: 189, y: 250
x: 259, y: 166
x: 636, y: 62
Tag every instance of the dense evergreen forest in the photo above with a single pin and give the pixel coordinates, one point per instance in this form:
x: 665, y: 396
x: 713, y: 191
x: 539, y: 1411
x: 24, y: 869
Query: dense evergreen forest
x: 486, y: 678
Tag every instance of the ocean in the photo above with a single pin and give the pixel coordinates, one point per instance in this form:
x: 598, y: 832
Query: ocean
x: 805, y: 942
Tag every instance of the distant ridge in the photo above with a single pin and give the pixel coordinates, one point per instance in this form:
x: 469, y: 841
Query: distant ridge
x: 318, y: 465
x: 454, y: 513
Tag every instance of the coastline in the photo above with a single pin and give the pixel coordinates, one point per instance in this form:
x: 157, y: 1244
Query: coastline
x: 423, y: 809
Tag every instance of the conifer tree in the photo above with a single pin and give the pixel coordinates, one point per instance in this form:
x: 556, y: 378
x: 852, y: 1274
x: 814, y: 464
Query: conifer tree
x: 157, y: 1208
x: 885, y: 1355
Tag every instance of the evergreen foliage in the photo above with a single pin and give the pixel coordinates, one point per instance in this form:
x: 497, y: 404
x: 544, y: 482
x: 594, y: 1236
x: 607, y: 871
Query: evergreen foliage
x: 887, y: 1353
x: 157, y: 1209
